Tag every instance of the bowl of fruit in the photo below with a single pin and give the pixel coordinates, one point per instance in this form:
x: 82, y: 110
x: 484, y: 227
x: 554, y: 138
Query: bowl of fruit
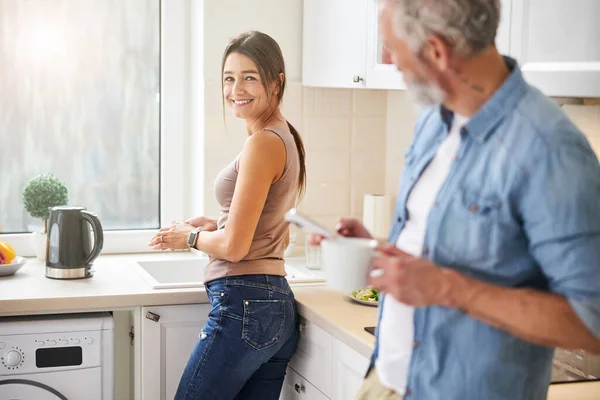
x: 9, y: 261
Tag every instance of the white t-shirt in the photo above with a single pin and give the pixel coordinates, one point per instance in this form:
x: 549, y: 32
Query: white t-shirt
x: 396, y: 328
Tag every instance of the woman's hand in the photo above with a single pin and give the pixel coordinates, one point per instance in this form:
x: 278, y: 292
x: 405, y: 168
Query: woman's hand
x: 205, y: 223
x: 348, y: 227
x: 174, y: 237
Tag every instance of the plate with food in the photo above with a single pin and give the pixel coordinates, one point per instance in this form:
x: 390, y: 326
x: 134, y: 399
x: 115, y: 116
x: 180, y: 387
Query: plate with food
x: 9, y: 261
x: 366, y: 296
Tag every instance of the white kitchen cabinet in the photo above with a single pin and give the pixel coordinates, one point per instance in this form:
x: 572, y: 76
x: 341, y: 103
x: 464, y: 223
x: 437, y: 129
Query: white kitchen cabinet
x: 379, y: 74
x: 295, y: 387
x: 166, y: 346
x: 312, y: 359
x: 334, y: 43
x: 342, y: 46
x: 503, y: 33
x: 348, y: 369
x: 323, y: 367
x: 557, y: 45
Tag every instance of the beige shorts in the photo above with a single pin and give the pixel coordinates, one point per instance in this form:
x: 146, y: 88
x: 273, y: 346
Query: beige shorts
x: 372, y: 389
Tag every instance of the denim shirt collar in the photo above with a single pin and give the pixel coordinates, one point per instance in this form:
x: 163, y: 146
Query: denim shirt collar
x: 481, y: 125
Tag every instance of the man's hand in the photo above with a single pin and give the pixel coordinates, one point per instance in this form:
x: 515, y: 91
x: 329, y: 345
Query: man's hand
x: 411, y: 280
x: 348, y: 227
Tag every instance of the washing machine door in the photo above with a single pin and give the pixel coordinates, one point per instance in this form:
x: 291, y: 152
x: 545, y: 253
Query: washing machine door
x: 24, y: 389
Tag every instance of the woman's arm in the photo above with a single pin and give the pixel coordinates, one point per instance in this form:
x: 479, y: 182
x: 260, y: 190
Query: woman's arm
x: 261, y: 163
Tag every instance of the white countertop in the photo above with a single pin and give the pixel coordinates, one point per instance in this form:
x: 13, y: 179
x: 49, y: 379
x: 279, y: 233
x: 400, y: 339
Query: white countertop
x: 115, y: 284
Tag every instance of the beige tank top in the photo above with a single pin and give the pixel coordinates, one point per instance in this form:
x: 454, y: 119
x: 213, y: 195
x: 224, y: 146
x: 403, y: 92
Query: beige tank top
x: 266, y: 251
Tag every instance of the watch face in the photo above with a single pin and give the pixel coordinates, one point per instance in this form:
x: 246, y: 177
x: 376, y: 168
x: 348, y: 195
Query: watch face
x: 192, y: 238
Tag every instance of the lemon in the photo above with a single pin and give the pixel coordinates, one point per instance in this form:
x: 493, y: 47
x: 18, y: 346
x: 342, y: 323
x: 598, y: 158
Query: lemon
x: 8, y: 251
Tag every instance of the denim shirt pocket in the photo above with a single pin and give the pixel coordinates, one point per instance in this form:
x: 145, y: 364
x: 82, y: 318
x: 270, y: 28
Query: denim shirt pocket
x: 264, y: 322
x: 471, y: 229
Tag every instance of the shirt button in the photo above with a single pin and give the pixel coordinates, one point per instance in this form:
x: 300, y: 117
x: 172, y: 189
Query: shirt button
x: 436, y: 202
x: 408, y: 392
x: 456, y: 158
x: 474, y: 208
x: 425, y: 250
x: 415, y: 344
x: 399, y: 219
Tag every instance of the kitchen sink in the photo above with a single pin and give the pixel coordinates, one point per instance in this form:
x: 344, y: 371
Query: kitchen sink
x: 188, y: 272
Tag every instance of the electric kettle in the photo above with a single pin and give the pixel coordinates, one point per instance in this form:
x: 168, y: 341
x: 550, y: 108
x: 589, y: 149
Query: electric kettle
x: 70, y: 252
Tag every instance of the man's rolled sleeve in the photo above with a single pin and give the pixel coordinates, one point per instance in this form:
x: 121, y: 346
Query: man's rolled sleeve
x: 560, y: 209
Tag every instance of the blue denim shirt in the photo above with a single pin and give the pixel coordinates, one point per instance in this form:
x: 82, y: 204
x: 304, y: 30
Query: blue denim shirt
x: 520, y: 208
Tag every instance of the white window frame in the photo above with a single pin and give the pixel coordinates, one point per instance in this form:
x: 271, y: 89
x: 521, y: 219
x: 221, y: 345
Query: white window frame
x: 176, y: 146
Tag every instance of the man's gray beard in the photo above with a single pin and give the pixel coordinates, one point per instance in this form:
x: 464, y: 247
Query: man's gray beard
x: 425, y: 94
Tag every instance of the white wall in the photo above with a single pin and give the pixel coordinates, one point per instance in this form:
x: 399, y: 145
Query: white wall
x: 343, y: 130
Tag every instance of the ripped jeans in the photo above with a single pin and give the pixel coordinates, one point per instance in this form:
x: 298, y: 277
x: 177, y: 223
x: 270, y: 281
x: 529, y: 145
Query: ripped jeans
x: 244, y: 349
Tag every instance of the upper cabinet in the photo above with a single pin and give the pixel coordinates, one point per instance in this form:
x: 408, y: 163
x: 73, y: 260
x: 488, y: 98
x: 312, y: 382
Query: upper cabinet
x: 556, y: 42
x: 380, y: 75
x: 503, y: 33
x: 334, y: 43
x: 557, y: 45
x: 342, y: 47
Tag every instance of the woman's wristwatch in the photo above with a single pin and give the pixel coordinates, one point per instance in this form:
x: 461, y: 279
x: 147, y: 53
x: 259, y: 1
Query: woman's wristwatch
x: 194, y: 237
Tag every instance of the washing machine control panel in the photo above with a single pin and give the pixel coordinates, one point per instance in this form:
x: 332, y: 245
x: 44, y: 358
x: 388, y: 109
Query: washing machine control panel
x: 49, y: 352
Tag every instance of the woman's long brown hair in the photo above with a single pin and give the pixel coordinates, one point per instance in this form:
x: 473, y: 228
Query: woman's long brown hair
x: 264, y: 51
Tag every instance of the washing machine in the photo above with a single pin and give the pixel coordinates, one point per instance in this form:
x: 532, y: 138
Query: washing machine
x: 58, y: 357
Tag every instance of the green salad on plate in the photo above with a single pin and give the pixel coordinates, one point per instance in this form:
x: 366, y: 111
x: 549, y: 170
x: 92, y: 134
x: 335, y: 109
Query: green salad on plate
x: 367, y: 294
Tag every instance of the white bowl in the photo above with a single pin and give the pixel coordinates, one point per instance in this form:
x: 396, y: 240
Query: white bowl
x: 14, y: 266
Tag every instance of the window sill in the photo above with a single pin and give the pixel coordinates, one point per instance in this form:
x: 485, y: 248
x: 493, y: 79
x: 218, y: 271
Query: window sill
x: 115, y: 242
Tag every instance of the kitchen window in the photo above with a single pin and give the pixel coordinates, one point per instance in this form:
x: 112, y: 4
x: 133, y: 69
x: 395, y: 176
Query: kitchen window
x: 95, y: 92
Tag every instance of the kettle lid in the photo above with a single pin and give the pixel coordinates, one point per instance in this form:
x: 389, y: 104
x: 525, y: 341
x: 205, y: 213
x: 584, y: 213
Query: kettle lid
x: 67, y: 208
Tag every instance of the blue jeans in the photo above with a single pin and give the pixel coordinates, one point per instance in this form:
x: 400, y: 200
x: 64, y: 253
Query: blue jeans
x: 247, y: 342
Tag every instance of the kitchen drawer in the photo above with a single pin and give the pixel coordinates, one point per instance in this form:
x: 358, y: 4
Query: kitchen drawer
x: 312, y: 359
x: 295, y: 387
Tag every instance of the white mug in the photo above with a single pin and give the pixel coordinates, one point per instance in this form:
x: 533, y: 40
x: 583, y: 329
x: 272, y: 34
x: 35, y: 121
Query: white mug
x: 347, y: 262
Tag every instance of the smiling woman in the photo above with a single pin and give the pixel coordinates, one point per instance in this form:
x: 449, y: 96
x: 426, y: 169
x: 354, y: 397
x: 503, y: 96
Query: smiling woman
x: 251, y: 333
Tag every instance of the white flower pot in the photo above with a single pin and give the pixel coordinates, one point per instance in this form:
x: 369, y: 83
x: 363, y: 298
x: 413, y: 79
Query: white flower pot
x: 40, y: 244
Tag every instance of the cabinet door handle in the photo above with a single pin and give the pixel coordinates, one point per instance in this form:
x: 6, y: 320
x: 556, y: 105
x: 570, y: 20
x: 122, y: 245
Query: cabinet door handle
x: 299, y: 388
x: 357, y: 79
x: 152, y: 316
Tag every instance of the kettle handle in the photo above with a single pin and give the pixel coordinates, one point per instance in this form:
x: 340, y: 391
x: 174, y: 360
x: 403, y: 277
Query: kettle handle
x: 98, y: 235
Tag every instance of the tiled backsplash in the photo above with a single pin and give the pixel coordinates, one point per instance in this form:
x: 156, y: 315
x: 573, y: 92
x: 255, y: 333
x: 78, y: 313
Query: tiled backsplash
x: 401, y: 117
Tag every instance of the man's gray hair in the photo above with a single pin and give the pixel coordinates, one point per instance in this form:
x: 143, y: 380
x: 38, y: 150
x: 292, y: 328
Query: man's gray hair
x: 468, y: 26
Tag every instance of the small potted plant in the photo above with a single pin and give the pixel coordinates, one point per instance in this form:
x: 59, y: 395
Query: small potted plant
x: 40, y: 194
